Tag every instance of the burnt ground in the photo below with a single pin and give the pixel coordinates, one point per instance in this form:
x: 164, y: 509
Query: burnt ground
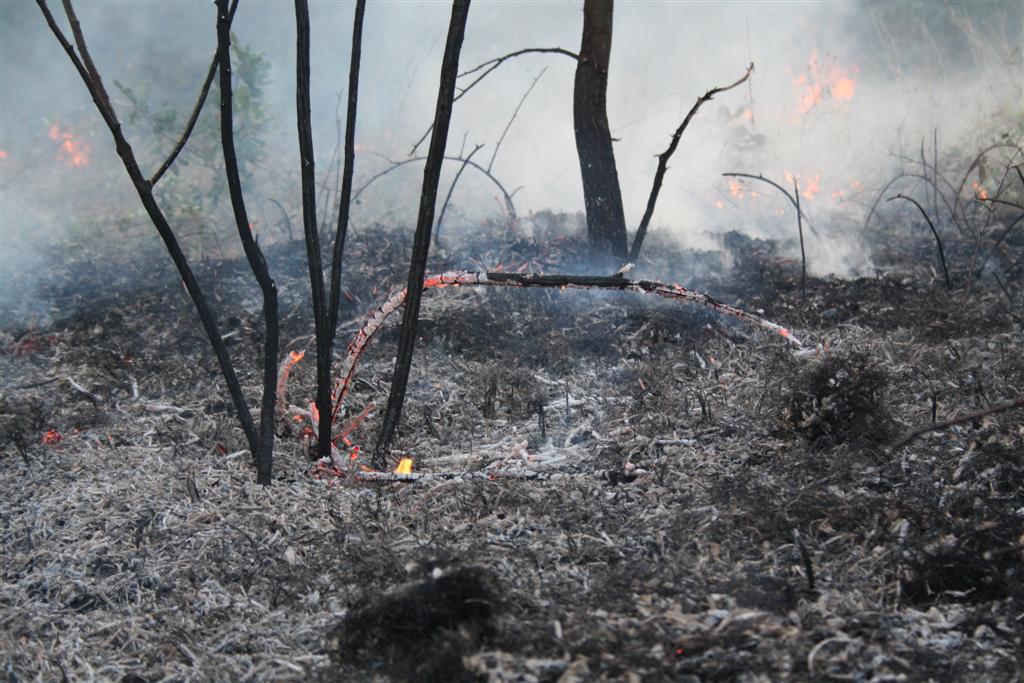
x: 706, y: 504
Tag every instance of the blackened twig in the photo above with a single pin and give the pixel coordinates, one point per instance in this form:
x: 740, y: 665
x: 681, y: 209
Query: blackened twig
x: 659, y: 174
x: 200, y: 101
x: 970, y: 417
x: 938, y: 241
x: 800, y: 230
x: 257, y: 263
x: 284, y: 214
x: 806, y: 558
x: 312, y: 236
x: 451, y: 190
x: 424, y: 224
x: 515, y: 112
x: 506, y: 195
x: 780, y: 188
x: 159, y: 220
x: 490, y: 65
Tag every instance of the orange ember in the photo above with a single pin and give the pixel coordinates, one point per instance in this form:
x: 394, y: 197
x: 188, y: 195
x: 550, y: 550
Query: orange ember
x: 72, y: 149
x: 52, y: 437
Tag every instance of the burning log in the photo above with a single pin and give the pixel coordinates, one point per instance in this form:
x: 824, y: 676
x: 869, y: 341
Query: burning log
x: 461, y: 278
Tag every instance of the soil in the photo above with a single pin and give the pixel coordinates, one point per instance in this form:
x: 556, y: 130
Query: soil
x: 627, y: 489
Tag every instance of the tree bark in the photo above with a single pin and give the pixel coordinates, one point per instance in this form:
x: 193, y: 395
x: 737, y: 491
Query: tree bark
x: 424, y: 225
x: 606, y: 220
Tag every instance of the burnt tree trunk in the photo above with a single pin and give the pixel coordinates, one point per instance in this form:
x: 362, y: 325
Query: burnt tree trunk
x: 606, y: 220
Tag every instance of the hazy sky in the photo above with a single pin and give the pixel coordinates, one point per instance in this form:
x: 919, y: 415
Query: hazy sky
x: 838, y: 89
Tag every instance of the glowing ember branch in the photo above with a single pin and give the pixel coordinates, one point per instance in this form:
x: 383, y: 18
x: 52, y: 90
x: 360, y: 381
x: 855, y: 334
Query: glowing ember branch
x: 463, y: 278
x: 282, y: 380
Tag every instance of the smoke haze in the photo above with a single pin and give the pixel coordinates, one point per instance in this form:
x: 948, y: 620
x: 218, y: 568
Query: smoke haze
x: 839, y: 91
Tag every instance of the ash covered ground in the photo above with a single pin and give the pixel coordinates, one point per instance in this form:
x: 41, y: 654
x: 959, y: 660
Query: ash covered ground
x: 709, y: 504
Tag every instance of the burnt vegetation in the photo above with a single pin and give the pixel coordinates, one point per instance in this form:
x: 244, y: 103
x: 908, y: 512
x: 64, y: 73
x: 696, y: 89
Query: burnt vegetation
x: 605, y: 484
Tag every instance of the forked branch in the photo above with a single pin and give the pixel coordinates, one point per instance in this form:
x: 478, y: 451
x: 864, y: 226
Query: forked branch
x: 659, y: 175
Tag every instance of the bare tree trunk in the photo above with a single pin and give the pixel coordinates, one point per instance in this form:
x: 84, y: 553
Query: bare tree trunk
x: 606, y: 220
x: 424, y: 224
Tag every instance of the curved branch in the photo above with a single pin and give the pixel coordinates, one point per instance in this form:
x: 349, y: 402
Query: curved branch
x: 490, y: 65
x: 659, y: 175
x: 451, y: 190
x: 942, y: 254
x: 397, y: 164
x: 780, y: 188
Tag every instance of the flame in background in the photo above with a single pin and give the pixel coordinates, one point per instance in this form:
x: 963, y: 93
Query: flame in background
x: 72, y: 149
x: 823, y: 80
x: 810, y: 183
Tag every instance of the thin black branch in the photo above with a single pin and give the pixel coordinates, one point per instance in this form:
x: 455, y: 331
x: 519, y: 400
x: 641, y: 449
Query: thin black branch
x: 424, y: 224
x: 800, y: 230
x: 497, y: 146
x: 942, y: 254
x: 780, y: 188
x: 284, y: 215
x: 490, y: 65
x: 257, y: 263
x: 159, y: 220
x: 200, y: 101
x: 451, y: 190
x: 338, y: 252
x: 969, y: 417
x: 659, y: 175
x: 995, y: 245
x: 506, y: 195
x: 308, y: 176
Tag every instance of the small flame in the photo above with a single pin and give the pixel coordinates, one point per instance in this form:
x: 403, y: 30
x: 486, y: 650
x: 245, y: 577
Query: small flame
x: 52, y: 437
x: 823, y: 80
x: 404, y: 466
x: 979, y: 190
x: 72, y: 150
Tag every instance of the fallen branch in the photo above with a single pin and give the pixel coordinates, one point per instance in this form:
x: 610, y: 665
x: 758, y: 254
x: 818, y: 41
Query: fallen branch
x: 659, y: 175
x: 463, y: 278
x: 942, y: 254
x: 970, y: 417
